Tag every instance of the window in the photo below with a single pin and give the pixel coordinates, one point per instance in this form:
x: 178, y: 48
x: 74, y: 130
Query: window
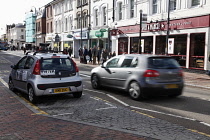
x: 120, y: 11
x: 66, y: 25
x: 154, y: 6
x: 70, y: 5
x: 113, y: 63
x: 22, y: 30
x: 21, y: 63
x: 85, y: 17
x: 104, y: 15
x: 78, y: 21
x: 79, y: 2
x: 51, y: 27
x: 132, y: 9
x: 173, y: 5
x: 195, y: 2
x: 29, y: 63
x: 96, y: 17
x: 22, y: 36
x: 127, y: 62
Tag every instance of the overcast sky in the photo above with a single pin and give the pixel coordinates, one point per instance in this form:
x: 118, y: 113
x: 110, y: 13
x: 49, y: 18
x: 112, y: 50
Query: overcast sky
x: 13, y: 11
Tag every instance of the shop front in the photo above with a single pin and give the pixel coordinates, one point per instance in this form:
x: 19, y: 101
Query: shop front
x: 79, y: 41
x: 188, y: 41
x: 99, y: 38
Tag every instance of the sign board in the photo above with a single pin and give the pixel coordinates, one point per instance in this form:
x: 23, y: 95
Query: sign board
x: 98, y: 34
x: 57, y: 38
x: 103, y: 30
x: 69, y: 36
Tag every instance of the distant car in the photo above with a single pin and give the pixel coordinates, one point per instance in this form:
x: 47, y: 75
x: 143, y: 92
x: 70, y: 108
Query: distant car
x: 140, y: 75
x: 3, y: 48
x: 40, y: 74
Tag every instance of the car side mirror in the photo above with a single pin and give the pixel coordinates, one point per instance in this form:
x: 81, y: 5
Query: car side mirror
x: 12, y: 66
x: 103, y: 66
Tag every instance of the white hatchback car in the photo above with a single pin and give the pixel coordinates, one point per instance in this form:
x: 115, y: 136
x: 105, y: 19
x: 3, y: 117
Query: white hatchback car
x: 40, y: 74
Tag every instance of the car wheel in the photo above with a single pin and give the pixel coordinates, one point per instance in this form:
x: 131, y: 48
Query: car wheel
x: 95, y: 81
x: 11, y: 85
x: 77, y: 94
x: 31, y: 95
x: 135, y: 91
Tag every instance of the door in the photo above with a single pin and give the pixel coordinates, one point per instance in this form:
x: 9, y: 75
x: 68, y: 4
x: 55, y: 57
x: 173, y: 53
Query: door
x: 18, y: 72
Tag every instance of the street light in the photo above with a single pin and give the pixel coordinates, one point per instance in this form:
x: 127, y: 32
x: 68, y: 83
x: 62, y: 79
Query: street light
x: 35, y: 25
x: 168, y: 23
x: 140, y: 28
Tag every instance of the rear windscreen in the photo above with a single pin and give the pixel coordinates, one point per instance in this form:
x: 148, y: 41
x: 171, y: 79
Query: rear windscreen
x: 162, y: 63
x: 57, y: 67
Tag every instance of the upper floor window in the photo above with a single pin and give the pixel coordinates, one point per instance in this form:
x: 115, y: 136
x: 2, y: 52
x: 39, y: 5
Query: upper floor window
x: 96, y: 17
x: 85, y: 19
x: 154, y: 6
x: 84, y: 1
x: 22, y: 30
x: 70, y: 5
x: 51, y: 27
x: 66, y: 24
x: 195, y: 2
x: 79, y: 2
x: 131, y: 8
x: 78, y: 21
x: 104, y: 16
x: 173, y: 5
x: 120, y: 11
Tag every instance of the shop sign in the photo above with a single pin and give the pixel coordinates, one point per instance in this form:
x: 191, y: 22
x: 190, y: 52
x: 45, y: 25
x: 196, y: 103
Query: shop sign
x: 103, y: 30
x: 98, y: 34
x: 77, y: 35
x: 114, y: 32
x: 69, y: 36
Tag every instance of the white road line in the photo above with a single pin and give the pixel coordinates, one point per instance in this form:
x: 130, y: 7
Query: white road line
x: 84, y: 75
x: 117, y: 100
x: 95, y: 91
x: 205, y: 124
x: 3, y: 82
x: 62, y: 114
x: 163, y: 113
x: 111, y: 106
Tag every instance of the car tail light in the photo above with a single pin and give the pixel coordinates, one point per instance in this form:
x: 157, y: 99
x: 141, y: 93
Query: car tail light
x: 75, y: 65
x: 181, y: 73
x: 151, y: 73
x: 37, y: 68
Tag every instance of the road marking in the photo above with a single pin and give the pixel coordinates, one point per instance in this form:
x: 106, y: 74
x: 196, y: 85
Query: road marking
x: 143, y: 113
x: 205, y: 124
x: 3, y: 82
x: 117, y: 100
x: 84, y: 75
x: 95, y: 91
x: 63, y: 114
x: 163, y: 113
x: 199, y: 132
x: 111, y: 106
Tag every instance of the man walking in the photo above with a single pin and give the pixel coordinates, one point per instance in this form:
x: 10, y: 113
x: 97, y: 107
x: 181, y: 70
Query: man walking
x: 70, y: 51
x: 94, y: 54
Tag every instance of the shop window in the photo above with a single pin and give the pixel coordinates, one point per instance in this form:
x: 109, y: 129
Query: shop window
x: 123, y: 46
x: 197, y: 49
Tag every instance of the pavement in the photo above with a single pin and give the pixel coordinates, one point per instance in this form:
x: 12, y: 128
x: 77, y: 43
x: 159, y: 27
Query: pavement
x: 18, y: 121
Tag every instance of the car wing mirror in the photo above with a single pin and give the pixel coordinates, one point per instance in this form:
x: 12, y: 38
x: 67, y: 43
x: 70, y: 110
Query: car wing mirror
x: 12, y: 66
x: 103, y: 66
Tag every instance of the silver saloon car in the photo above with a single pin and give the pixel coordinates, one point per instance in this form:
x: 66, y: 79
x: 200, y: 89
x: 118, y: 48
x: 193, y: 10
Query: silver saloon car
x: 140, y: 75
x: 40, y: 74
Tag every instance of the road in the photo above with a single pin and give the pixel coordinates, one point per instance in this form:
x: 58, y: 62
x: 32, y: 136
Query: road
x: 113, y: 108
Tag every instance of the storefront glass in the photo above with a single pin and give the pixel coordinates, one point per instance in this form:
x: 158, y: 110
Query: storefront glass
x: 197, y: 49
x: 123, y: 46
x: 146, y: 43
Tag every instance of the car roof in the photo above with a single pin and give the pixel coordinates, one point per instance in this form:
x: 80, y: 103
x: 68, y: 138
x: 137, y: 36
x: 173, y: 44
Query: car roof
x: 145, y: 55
x: 40, y: 55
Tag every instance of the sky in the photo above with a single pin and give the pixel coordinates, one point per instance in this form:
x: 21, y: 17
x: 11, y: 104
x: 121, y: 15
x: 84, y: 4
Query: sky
x: 13, y: 11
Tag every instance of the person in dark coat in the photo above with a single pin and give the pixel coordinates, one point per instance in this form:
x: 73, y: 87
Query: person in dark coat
x: 90, y: 54
x: 85, y: 55
x: 70, y: 51
x: 81, y: 55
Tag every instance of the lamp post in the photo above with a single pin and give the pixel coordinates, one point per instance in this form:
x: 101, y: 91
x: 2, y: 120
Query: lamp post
x: 168, y: 23
x: 35, y: 25
x: 140, y: 28
x: 81, y: 25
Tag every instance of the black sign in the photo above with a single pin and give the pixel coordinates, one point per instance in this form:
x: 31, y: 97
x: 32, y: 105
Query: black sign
x: 57, y: 38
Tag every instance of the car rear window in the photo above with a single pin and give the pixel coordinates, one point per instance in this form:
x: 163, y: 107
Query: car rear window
x: 57, y: 67
x: 162, y: 63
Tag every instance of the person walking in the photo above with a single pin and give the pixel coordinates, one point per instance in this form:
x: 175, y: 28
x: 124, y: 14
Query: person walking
x: 85, y: 54
x: 114, y: 54
x: 24, y: 50
x: 81, y: 55
x: 104, y: 55
x: 70, y: 51
x: 90, y: 55
x: 94, y: 54
x: 99, y: 55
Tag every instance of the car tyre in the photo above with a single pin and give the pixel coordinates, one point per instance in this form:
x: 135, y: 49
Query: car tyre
x: 95, y: 81
x: 31, y: 95
x: 11, y: 85
x: 77, y: 94
x: 135, y: 91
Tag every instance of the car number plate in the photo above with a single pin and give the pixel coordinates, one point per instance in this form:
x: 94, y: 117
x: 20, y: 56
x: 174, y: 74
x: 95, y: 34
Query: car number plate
x: 47, y: 72
x: 171, y: 86
x: 59, y: 90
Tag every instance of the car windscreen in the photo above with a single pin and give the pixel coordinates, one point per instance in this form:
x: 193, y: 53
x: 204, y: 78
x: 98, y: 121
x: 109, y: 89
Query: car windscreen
x: 57, y: 67
x: 162, y: 63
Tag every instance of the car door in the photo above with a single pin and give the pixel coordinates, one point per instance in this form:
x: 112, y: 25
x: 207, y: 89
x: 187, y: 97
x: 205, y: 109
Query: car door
x: 17, y: 72
x: 107, y: 74
x: 126, y: 70
x: 26, y: 72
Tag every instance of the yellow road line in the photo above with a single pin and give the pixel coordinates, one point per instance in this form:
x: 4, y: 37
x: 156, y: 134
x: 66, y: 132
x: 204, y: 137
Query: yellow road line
x: 199, y: 132
x: 143, y: 113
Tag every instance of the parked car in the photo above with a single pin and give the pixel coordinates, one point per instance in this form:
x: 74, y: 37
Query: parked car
x: 140, y: 75
x: 40, y: 74
x: 3, y: 48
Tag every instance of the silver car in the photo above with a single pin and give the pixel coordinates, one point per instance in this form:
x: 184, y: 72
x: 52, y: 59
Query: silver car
x: 140, y: 75
x: 40, y: 74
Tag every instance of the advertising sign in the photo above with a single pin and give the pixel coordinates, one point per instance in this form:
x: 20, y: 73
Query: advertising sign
x: 171, y: 46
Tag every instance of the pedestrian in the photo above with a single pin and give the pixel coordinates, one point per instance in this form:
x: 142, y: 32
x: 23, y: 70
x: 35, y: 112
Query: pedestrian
x: 85, y: 53
x: 90, y: 55
x: 70, y: 51
x: 99, y: 55
x: 110, y: 55
x: 94, y: 54
x: 81, y: 55
x: 50, y: 49
x: 104, y: 55
x: 24, y: 50
x: 114, y: 54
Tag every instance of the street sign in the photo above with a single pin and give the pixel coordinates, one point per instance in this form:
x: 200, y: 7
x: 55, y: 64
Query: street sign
x: 69, y: 36
x: 57, y: 38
